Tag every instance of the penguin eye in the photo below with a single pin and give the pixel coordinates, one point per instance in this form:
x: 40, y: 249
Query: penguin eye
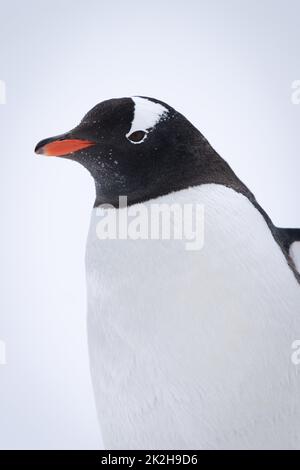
x: 137, y: 137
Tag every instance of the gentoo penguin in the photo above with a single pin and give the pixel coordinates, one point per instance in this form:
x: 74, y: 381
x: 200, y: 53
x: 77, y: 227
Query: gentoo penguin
x: 189, y: 349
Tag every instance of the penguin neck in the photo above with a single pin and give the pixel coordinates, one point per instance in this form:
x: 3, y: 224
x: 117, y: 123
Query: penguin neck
x: 200, y: 165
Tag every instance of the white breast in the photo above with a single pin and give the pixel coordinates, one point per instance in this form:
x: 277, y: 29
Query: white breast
x: 192, y: 349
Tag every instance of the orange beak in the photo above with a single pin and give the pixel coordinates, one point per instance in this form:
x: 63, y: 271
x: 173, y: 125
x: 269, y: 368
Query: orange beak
x: 56, y: 147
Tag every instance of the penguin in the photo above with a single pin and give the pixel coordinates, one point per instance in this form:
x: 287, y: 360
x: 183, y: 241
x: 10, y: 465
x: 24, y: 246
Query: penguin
x: 189, y: 349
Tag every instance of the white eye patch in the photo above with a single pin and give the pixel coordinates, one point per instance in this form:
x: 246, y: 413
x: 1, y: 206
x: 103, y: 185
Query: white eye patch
x: 146, y: 115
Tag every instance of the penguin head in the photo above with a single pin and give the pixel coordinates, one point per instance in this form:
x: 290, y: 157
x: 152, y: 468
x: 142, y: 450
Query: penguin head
x: 136, y: 147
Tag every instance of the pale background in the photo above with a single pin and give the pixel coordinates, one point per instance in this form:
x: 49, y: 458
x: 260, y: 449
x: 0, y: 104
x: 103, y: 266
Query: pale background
x: 227, y: 65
